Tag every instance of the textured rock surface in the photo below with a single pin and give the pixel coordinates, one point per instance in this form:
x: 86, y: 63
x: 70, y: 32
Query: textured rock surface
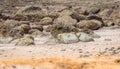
x: 26, y: 41
x: 65, y: 19
x: 89, y: 24
x: 67, y: 38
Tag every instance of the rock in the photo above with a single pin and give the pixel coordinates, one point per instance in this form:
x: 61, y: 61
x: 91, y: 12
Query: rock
x: 7, y: 26
x: 6, y: 16
x: 105, y: 14
x: 25, y: 27
x: 87, y: 31
x: 82, y: 10
x: 11, y: 23
x: 94, y: 10
x: 35, y: 26
x: 73, y: 37
x: 67, y: 38
x: 47, y: 28
x: 89, y: 24
x: 30, y: 13
x: 5, y: 40
x: 78, y: 16
x: 35, y: 32
x: 26, y: 41
x: 24, y: 22
x: 109, y: 23
x: 94, y: 17
x: 65, y: 12
x: 85, y: 37
x: 65, y: 20
x: 16, y: 32
x: 51, y: 41
x: 46, y: 21
x: 53, y: 15
x: 62, y: 28
x: 90, y: 33
x: 117, y: 22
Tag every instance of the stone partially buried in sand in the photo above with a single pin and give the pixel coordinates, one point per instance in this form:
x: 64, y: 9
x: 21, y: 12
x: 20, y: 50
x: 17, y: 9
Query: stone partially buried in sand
x: 62, y: 28
x: 67, y: 38
x: 72, y: 37
x: 35, y: 32
x: 85, y: 37
x: 5, y: 40
x: 89, y: 24
x: 26, y: 41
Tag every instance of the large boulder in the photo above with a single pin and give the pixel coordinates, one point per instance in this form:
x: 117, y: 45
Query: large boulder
x: 26, y: 41
x: 73, y: 37
x: 35, y: 26
x: 16, y: 32
x: 58, y: 28
x: 46, y: 21
x: 7, y: 26
x: 78, y: 16
x: 25, y: 27
x: 94, y: 17
x: 85, y: 37
x: 67, y: 38
x: 30, y: 13
x: 89, y: 24
x: 110, y: 16
x: 35, y: 32
x: 65, y: 19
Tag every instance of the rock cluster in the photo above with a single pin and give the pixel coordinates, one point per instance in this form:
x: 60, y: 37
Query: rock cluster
x: 64, y: 22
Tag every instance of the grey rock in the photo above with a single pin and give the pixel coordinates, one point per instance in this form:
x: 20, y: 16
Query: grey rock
x: 5, y: 40
x: 85, y: 37
x: 67, y: 38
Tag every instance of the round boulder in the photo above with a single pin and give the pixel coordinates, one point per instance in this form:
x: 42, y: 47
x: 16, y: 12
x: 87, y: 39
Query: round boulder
x: 67, y: 38
x: 66, y: 20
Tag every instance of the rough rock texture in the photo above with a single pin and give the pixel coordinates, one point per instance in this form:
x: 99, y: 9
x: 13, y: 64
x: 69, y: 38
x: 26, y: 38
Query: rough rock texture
x: 65, y: 19
x: 26, y: 41
x: 35, y: 26
x: 62, y: 28
x: 35, y: 32
x: 85, y: 37
x: 73, y: 37
x: 46, y: 21
x: 67, y: 38
x: 31, y: 12
x: 89, y: 24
